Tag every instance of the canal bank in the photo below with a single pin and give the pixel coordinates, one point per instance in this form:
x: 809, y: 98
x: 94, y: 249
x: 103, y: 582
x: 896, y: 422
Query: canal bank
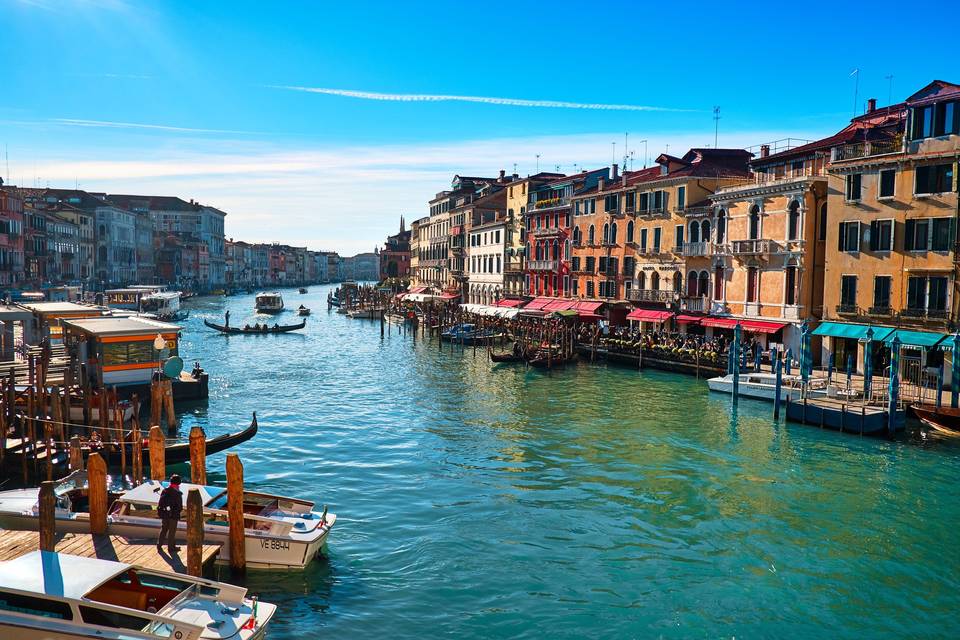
x: 488, y: 501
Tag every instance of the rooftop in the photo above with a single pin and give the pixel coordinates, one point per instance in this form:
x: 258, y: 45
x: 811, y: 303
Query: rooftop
x: 113, y: 326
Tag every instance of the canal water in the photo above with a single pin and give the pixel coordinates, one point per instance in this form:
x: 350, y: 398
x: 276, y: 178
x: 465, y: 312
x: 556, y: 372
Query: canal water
x: 489, y: 501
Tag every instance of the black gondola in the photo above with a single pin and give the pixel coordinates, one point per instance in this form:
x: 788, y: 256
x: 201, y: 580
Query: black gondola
x: 261, y: 331
x: 506, y: 357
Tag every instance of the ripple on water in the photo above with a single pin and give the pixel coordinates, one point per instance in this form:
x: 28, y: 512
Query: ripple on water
x: 496, y: 502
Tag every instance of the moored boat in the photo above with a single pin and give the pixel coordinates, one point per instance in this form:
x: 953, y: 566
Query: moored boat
x: 269, y: 302
x: 280, y: 532
x: 303, y: 290
x: 945, y: 419
x: 164, y: 305
x: 369, y: 313
x: 303, y: 311
x: 470, y: 334
x: 763, y: 386
x: 55, y: 596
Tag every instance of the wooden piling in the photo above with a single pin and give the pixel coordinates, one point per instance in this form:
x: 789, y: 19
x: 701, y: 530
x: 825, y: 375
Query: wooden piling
x: 137, y: 462
x: 155, y: 401
x: 238, y: 556
x: 168, y: 404
x: 48, y: 520
x: 48, y: 447
x: 194, y: 533
x: 198, y: 456
x: 97, y: 482
x: 76, y: 454
x: 157, y: 447
x: 118, y: 424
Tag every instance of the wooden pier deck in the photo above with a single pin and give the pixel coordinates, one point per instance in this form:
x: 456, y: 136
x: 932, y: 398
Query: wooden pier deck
x: 142, y: 553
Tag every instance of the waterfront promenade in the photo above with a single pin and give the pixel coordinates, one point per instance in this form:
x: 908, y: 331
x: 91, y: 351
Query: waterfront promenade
x: 479, y: 501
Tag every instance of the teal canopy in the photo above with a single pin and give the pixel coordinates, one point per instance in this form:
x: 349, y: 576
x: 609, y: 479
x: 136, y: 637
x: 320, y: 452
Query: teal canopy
x: 915, y: 338
x: 855, y: 331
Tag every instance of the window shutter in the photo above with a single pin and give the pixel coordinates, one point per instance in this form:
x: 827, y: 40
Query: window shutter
x: 908, y: 233
x: 893, y: 235
x: 841, y: 237
x: 874, y: 235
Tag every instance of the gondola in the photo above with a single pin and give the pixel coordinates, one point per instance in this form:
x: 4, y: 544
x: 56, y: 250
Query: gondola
x: 944, y: 419
x: 265, y: 330
x: 507, y: 357
x: 541, y: 360
x: 173, y: 453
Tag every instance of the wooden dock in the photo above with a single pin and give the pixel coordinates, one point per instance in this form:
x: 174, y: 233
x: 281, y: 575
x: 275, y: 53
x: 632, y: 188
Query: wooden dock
x: 142, y: 553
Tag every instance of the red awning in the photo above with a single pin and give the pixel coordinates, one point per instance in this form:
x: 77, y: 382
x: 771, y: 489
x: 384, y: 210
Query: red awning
x: 400, y: 295
x: 587, y: 306
x: 685, y: 319
x: 537, y: 304
x: 507, y: 302
x: 558, y: 304
x: 755, y: 326
x: 449, y: 296
x: 585, y: 315
x: 417, y: 290
x: 649, y: 315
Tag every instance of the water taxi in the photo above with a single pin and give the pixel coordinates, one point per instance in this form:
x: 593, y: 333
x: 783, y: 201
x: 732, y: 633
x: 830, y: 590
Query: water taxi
x: 763, y: 386
x: 163, y: 305
x: 281, y: 533
x: 269, y: 302
x: 55, y: 596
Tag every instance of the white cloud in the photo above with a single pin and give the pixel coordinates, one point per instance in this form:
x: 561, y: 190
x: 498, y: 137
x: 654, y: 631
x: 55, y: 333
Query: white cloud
x: 75, y: 122
x: 344, y: 198
x: 512, y: 102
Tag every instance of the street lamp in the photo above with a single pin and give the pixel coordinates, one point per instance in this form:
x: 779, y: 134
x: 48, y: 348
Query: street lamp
x: 159, y: 343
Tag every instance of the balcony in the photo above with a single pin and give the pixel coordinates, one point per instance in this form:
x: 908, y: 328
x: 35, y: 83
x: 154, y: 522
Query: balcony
x: 542, y: 265
x: 694, y: 249
x: 699, y: 304
x: 650, y: 251
x: 513, y: 268
x: 651, y: 295
x: 549, y: 203
x: 925, y: 314
x: 848, y: 310
x: 885, y: 312
x: 754, y: 247
x: 867, y: 149
x: 547, y: 232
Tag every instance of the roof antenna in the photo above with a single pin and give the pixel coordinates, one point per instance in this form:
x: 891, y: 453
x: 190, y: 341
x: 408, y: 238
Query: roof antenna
x: 856, y: 89
x: 889, y: 80
x: 716, y: 125
x: 538, y: 163
x: 613, y: 157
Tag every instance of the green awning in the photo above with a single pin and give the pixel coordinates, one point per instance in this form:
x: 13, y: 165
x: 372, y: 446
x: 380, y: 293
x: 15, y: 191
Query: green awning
x: 855, y: 331
x: 915, y: 338
x: 566, y: 313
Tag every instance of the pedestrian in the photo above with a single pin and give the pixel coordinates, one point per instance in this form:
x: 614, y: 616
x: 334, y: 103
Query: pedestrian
x: 169, y: 507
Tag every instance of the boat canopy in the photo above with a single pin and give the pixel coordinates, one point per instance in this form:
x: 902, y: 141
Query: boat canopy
x: 149, y: 492
x: 58, y: 575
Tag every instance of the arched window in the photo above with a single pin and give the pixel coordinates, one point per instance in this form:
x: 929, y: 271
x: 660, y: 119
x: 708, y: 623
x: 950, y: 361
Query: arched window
x: 539, y: 251
x: 576, y: 236
x: 655, y: 280
x: 613, y: 233
x: 678, y: 282
x: 793, y: 221
x: 703, y: 287
x: 721, y: 226
x: 556, y: 250
x: 606, y: 233
x: 642, y: 280
x: 705, y: 231
x: 694, y: 231
x: 754, y: 222
x: 591, y: 235
x: 692, y: 284
x: 630, y: 231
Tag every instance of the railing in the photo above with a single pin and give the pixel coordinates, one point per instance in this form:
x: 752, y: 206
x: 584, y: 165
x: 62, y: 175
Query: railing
x: 928, y: 314
x: 848, y: 309
x: 697, y: 303
x: 867, y: 149
x: 651, y: 295
x: 542, y: 265
x: 787, y: 176
x: 650, y: 251
x: 697, y: 248
x: 880, y: 311
x: 548, y: 232
x: 550, y: 203
x: 753, y: 247
x: 720, y: 249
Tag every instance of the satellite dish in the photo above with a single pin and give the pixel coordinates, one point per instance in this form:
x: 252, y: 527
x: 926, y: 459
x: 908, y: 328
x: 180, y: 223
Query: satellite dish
x: 173, y: 366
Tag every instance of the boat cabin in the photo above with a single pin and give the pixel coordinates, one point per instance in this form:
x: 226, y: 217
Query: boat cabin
x: 128, y: 298
x: 269, y: 301
x: 120, y: 351
x: 164, y: 304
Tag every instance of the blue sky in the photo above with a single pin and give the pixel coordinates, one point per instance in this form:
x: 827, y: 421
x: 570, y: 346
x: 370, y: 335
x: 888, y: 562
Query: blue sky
x: 209, y: 100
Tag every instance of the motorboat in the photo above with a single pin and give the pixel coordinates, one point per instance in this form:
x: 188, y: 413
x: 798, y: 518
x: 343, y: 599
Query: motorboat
x: 303, y: 311
x: 164, y: 305
x: 369, y: 313
x: 470, y: 334
x: 280, y: 532
x: 763, y: 386
x: 946, y: 420
x: 46, y: 595
x: 269, y: 302
x: 303, y: 290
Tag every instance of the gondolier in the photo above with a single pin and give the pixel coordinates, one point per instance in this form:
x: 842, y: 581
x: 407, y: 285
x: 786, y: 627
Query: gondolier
x: 169, y: 508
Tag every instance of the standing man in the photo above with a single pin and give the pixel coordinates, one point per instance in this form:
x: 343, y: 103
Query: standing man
x: 227, y: 318
x: 169, y: 507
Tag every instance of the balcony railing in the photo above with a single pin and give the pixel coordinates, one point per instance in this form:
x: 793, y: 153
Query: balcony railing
x: 548, y: 232
x: 867, y: 149
x: 651, y: 295
x: 848, y: 309
x: 650, y: 251
x: 542, y: 265
x: 549, y: 203
x: 753, y: 247
x: 696, y: 303
x: 928, y: 314
x: 691, y: 249
x: 881, y: 311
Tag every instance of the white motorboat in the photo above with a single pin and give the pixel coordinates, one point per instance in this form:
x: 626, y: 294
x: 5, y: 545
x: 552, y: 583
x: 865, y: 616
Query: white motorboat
x: 370, y: 313
x: 269, y: 302
x: 303, y: 311
x: 164, y: 305
x: 761, y: 386
x: 56, y: 596
x: 281, y: 533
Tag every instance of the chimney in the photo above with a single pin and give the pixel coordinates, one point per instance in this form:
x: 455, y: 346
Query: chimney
x: 613, y: 172
x: 600, y: 184
x: 502, y: 174
x: 871, y: 105
x: 764, y: 150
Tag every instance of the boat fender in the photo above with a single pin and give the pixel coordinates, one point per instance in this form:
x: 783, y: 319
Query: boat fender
x: 307, y: 516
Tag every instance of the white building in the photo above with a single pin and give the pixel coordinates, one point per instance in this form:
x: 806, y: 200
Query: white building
x: 486, y: 253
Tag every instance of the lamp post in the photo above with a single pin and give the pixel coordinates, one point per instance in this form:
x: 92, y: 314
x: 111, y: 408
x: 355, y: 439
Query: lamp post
x: 158, y: 344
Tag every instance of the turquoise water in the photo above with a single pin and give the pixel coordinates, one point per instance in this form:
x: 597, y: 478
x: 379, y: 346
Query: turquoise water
x: 482, y: 501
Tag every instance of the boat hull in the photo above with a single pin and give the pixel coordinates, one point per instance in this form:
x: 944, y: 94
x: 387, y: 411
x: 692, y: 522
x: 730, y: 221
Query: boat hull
x: 724, y: 384
x: 945, y: 420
